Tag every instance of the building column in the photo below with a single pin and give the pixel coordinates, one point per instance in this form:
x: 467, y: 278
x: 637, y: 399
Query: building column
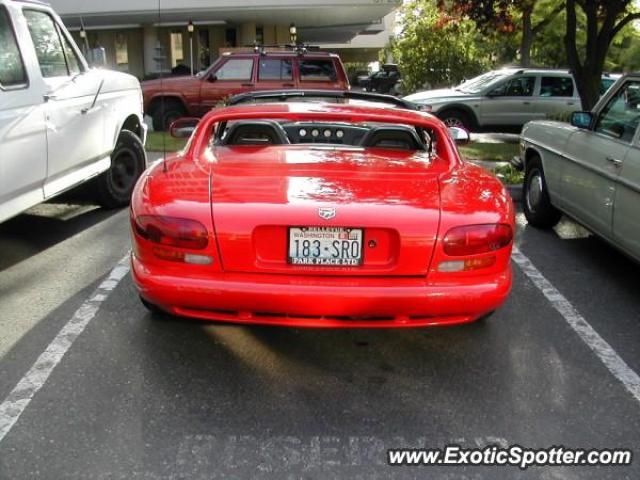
x: 247, y: 34
x: 150, y: 42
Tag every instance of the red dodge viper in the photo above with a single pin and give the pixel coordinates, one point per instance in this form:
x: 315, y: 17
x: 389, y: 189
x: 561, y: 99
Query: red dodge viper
x: 321, y: 215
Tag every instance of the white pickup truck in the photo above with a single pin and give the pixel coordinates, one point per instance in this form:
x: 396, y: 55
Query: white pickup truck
x: 62, y: 123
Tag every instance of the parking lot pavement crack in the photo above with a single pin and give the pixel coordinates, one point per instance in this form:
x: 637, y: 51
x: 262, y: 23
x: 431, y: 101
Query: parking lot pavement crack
x: 22, y: 394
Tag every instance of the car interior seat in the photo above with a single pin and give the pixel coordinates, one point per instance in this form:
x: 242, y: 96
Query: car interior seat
x: 263, y: 132
x: 395, y: 137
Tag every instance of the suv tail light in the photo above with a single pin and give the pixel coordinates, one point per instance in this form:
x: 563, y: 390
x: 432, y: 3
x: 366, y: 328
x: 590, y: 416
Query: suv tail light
x: 476, y: 239
x: 172, y: 231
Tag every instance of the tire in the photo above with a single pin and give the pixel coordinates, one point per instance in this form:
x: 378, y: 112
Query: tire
x: 456, y: 118
x: 538, y: 210
x: 164, y: 113
x: 128, y: 161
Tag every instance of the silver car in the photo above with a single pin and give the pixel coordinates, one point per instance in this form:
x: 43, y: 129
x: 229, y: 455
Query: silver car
x: 509, y: 97
x: 590, y: 169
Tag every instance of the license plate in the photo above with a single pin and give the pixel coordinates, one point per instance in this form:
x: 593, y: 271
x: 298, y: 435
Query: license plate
x: 325, y: 246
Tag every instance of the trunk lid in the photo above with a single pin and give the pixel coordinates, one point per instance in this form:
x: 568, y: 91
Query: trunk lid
x: 258, y: 193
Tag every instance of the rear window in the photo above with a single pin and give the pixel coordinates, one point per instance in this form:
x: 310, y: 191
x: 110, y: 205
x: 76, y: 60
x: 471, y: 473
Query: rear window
x: 12, y: 70
x: 556, y: 87
x: 275, y: 69
x: 317, y: 70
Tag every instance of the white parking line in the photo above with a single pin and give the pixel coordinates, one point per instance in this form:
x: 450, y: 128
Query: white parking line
x: 616, y: 365
x: 16, y: 402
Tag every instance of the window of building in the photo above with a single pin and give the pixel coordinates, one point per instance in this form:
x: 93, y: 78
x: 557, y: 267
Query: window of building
x: 122, y: 49
x: 47, y: 43
x: 12, y: 70
x: 177, y: 55
x: 235, y: 69
x: 556, y: 87
x: 317, y: 70
x: 230, y: 37
x: 275, y: 69
x: 204, y: 52
x: 260, y: 35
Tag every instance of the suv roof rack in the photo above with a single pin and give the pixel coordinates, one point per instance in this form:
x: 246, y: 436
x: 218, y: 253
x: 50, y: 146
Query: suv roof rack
x: 299, y: 48
x: 283, y: 95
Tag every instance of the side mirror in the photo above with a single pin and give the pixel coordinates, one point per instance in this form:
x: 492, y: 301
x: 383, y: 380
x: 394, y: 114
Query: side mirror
x: 581, y: 119
x: 212, y: 78
x: 459, y: 135
x: 183, y: 127
x: 97, y: 57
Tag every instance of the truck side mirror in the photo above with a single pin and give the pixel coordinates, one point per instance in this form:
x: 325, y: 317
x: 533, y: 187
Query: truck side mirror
x: 212, y: 78
x: 97, y: 57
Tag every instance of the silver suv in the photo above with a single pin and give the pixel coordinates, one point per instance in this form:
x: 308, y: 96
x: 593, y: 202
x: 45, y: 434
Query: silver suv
x: 509, y: 97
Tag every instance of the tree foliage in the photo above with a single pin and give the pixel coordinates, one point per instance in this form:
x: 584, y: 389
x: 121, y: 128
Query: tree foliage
x: 524, y: 19
x: 433, y: 51
x: 604, y: 19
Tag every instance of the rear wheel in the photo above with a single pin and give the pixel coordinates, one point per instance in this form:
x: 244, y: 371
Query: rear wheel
x: 456, y: 118
x: 537, y: 206
x: 164, y: 113
x: 128, y: 161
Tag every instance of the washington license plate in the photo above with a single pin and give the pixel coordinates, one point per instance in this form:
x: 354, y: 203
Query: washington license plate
x: 325, y: 246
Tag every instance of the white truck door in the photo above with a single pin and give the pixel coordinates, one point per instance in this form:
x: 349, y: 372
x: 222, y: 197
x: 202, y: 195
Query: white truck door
x: 75, y: 122
x: 23, y: 147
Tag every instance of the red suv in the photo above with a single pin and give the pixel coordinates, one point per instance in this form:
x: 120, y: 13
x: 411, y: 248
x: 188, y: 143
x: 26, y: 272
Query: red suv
x: 233, y: 73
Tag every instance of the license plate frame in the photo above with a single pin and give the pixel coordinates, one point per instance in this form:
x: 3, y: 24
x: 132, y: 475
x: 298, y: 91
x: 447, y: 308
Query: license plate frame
x: 325, y: 261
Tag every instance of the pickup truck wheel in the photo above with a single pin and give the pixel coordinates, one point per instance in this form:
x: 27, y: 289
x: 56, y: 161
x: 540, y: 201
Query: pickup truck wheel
x: 456, y: 118
x: 537, y: 207
x: 128, y: 161
x: 164, y: 116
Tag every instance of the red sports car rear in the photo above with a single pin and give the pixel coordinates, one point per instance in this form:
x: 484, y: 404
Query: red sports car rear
x: 322, y: 216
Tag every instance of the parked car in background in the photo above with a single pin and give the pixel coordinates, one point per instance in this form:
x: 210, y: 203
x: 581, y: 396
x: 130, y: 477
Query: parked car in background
x: 61, y: 122
x: 590, y: 169
x: 509, y: 97
x: 170, y: 98
x: 383, y: 81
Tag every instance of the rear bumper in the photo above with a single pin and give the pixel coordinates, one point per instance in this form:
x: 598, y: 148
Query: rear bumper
x: 322, y: 301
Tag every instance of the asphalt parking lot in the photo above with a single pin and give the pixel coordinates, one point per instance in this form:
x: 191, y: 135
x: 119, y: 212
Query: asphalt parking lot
x: 124, y: 395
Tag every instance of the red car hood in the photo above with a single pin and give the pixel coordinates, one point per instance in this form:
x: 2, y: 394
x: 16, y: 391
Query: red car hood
x: 258, y: 192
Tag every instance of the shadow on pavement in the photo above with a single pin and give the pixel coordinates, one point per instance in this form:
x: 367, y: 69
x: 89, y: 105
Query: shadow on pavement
x: 44, y: 226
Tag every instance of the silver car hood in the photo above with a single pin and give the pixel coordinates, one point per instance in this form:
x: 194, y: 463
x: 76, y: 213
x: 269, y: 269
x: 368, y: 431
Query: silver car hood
x: 440, y: 95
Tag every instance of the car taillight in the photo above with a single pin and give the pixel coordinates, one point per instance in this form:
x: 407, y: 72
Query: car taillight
x: 476, y: 239
x: 172, y: 231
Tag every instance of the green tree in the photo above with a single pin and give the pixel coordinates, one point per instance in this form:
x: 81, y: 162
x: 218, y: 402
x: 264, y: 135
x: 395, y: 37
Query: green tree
x: 604, y: 19
x: 432, y: 50
x: 525, y: 19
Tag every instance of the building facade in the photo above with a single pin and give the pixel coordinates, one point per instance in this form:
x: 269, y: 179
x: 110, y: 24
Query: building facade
x: 149, y: 37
